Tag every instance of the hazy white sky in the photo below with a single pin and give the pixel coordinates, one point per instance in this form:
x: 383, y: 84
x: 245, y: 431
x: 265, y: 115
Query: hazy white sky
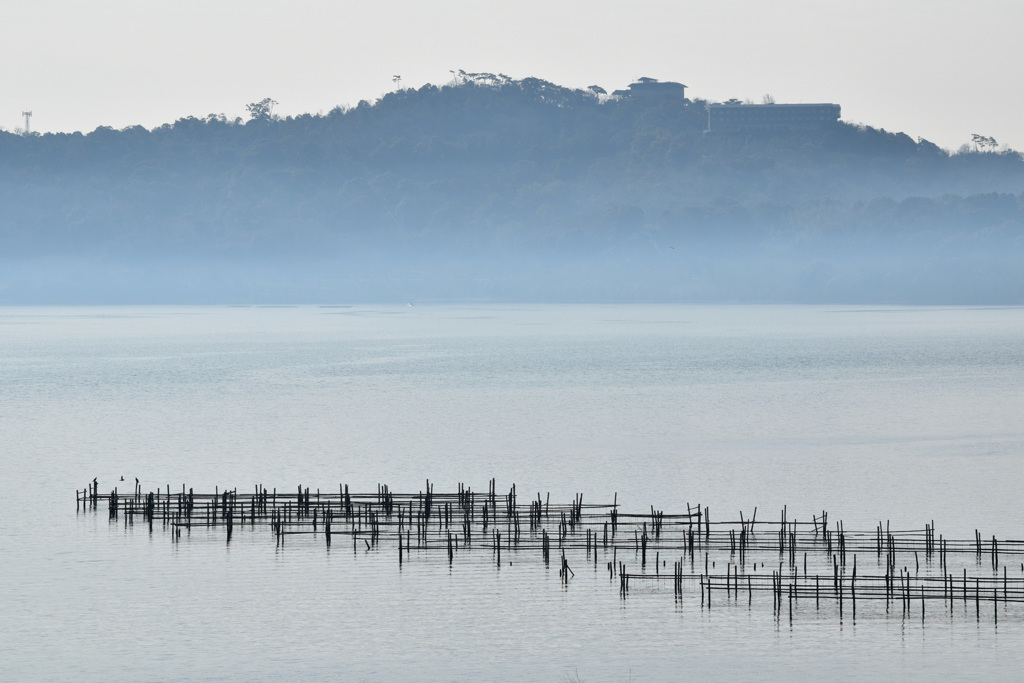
x: 938, y: 69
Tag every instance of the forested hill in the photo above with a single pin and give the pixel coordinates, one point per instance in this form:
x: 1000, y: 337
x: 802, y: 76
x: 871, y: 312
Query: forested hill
x: 499, y: 189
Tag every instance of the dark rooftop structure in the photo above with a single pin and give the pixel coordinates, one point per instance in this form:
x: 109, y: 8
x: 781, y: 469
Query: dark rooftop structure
x: 649, y: 88
x: 734, y: 116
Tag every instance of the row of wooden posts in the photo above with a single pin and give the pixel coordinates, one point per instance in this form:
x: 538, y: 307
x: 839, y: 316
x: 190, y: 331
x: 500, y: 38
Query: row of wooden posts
x: 455, y: 522
x: 893, y: 587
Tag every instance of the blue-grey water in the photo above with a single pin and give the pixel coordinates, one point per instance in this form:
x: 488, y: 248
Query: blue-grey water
x: 900, y: 414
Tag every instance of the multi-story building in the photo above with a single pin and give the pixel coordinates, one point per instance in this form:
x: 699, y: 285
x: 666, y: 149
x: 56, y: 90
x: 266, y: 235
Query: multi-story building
x: 735, y: 116
x: 650, y: 88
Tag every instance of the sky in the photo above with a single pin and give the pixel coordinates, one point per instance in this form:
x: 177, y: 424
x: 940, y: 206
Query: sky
x: 937, y: 69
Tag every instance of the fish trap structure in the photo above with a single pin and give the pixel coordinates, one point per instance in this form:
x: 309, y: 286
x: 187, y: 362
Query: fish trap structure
x: 746, y: 561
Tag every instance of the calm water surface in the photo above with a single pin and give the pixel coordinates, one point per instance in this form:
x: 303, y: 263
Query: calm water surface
x: 901, y: 414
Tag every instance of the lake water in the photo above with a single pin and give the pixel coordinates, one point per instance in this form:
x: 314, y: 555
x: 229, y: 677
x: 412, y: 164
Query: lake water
x: 900, y: 414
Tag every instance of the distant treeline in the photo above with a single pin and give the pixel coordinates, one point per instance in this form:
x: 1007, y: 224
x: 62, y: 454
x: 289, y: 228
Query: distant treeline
x: 499, y: 188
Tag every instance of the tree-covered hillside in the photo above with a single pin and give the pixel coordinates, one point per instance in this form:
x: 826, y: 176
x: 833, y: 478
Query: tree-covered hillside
x: 502, y: 189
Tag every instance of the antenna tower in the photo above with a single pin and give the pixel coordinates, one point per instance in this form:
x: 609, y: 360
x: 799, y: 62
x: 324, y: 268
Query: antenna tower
x: 27, y: 115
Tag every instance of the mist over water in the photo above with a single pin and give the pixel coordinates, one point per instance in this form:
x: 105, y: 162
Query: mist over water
x: 494, y: 189
x: 747, y: 307
x: 907, y: 414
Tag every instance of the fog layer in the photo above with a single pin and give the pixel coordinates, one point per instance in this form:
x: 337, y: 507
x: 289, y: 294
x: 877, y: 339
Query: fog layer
x: 502, y: 190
